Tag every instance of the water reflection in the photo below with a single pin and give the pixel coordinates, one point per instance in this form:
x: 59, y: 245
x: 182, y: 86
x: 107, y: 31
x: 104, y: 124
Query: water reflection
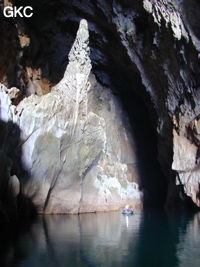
x: 105, y: 239
x: 189, y: 245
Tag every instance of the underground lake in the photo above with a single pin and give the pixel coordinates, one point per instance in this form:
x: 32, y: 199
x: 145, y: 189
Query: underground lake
x: 151, y: 238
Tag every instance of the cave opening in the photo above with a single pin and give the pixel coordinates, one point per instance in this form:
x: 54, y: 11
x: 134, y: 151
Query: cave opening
x: 143, y: 120
x: 114, y: 69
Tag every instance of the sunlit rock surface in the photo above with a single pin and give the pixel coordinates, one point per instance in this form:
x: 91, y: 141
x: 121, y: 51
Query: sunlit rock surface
x: 147, y: 48
x: 76, y: 142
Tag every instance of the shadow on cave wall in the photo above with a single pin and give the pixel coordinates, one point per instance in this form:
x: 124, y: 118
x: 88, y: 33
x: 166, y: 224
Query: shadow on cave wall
x: 143, y: 120
x: 51, y: 38
x: 52, y: 31
x: 13, y: 206
x: 9, y: 55
x: 113, y: 68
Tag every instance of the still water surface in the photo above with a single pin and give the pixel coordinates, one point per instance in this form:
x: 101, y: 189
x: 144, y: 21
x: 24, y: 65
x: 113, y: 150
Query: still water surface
x: 148, y: 239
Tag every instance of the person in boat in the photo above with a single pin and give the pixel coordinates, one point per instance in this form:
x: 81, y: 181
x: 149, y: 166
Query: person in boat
x: 127, y: 210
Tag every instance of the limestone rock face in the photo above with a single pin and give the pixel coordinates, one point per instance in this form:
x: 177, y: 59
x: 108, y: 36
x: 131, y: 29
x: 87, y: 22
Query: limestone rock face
x: 76, y: 142
x: 186, y: 158
x: 165, y: 48
x: 147, y: 50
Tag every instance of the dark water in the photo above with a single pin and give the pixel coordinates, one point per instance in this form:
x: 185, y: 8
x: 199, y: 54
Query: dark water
x: 149, y: 239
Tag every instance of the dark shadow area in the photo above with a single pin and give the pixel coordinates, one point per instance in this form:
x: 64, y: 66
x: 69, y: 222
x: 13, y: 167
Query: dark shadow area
x: 10, y: 236
x: 191, y: 10
x: 9, y: 52
x: 14, y: 206
x: 153, y: 182
x: 161, y: 238
x: 177, y: 200
x: 198, y: 194
x: 52, y: 30
x: 117, y: 72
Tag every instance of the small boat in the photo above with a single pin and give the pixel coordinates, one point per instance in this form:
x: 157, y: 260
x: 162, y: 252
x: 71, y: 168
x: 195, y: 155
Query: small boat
x: 127, y: 211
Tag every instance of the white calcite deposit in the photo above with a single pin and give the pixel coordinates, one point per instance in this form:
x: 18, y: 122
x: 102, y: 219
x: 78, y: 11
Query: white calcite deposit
x: 76, y: 142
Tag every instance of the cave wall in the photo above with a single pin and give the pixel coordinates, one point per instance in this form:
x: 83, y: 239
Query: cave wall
x: 76, y: 142
x: 150, y: 48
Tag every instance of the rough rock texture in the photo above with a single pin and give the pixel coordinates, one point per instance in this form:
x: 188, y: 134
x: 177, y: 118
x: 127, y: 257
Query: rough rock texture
x: 76, y: 142
x: 186, y: 157
x: 147, y: 50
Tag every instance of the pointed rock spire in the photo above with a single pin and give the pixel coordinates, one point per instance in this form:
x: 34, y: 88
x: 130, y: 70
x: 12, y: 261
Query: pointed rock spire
x: 80, y: 50
x: 74, y: 84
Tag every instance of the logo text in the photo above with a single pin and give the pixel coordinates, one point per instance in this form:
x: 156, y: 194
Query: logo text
x: 13, y: 11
